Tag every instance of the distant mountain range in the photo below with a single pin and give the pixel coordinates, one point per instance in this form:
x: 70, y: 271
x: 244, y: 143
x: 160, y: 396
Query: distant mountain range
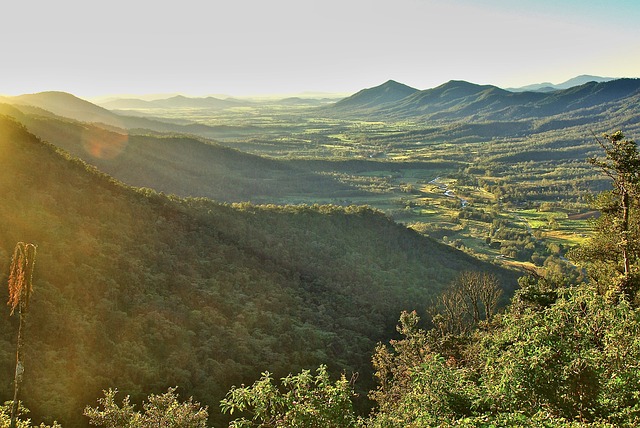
x: 178, y: 101
x: 453, y: 100
x: 459, y: 100
x: 208, y: 103
x: 610, y: 103
x: 62, y: 104
x: 548, y: 86
x: 388, y: 92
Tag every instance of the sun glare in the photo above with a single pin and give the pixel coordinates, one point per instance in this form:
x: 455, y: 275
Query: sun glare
x: 102, y: 144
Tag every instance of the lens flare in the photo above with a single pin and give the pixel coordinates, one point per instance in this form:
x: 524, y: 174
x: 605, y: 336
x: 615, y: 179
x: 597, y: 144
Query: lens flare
x: 104, y: 141
x: 106, y: 146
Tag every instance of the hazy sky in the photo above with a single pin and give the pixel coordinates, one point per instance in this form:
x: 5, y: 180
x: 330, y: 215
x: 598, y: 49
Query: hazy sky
x: 242, y: 47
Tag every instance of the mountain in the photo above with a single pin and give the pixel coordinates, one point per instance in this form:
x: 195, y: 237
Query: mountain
x: 454, y: 98
x: 581, y: 80
x: 182, y: 165
x: 127, y: 103
x: 460, y: 100
x: 535, y: 87
x: 175, y: 102
x: 69, y: 106
x: 295, y: 101
x: 548, y: 87
x: 389, y: 92
x: 139, y: 291
x: 180, y: 101
x: 445, y: 99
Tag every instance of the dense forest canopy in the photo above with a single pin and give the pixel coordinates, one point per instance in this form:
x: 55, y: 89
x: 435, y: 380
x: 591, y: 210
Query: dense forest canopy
x: 141, y: 291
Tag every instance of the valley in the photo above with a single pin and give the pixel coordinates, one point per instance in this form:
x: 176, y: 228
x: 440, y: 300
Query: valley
x: 518, y: 160
x: 293, y: 232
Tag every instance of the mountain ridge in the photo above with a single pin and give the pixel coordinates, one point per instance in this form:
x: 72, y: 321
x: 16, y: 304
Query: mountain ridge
x: 177, y: 101
x: 182, y: 165
x: 456, y: 100
x: 548, y: 86
x: 69, y: 106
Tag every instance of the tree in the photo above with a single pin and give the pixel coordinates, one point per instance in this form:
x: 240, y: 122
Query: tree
x: 575, y: 359
x: 569, y: 362
x: 159, y: 411
x: 615, y: 242
x: 20, y: 288
x: 305, y: 401
x: 6, y: 421
x: 471, y: 298
x: 417, y: 385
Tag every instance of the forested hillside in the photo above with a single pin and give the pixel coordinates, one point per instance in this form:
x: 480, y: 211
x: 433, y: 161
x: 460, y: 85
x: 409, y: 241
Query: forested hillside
x: 140, y: 291
x: 183, y: 165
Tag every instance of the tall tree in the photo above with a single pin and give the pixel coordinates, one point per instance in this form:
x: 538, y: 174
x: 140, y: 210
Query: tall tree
x: 615, y: 242
x: 20, y: 288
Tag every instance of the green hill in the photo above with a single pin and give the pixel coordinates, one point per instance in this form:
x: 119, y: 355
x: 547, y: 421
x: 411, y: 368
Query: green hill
x: 139, y: 291
x: 182, y: 165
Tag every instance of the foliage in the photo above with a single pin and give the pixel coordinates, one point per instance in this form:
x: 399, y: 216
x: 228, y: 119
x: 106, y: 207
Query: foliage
x: 573, y: 360
x: 471, y: 298
x: 418, y: 386
x: 21, y: 276
x: 304, y: 401
x: 612, y: 255
x: 437, y: 393
x: 5, y: 417
x: 162, y: 410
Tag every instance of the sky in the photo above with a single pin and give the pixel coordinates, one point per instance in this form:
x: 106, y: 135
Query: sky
x: 259, y: 47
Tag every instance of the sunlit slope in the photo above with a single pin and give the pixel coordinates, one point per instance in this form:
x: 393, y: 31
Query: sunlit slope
x: 183, y: 165
x: 138, y: 291
x: 69, y: 106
